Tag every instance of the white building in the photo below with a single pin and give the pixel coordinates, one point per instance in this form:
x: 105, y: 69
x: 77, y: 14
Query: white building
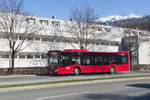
x: 47, y: 39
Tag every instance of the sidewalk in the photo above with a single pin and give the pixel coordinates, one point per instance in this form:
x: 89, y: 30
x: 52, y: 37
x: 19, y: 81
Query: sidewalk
x: 26, y: 79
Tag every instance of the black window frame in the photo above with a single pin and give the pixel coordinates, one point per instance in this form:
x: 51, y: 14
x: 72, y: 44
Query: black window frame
x: 56, y: 23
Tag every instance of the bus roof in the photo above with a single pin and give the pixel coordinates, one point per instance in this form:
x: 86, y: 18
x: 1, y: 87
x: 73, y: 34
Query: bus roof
x: 75, y: 50
x: 81, y: 50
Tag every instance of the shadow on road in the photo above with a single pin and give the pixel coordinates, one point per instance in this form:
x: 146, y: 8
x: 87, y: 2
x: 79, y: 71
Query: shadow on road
x: 83, y: 74
x: 140, y: 86
x: 115, y: 97
x: 52, y: 75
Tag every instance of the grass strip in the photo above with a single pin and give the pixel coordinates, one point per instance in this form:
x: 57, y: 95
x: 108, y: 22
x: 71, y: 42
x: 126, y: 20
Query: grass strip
x: 71, y: 81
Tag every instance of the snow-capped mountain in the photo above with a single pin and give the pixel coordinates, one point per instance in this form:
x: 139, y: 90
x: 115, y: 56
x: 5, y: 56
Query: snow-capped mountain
x: 117, y: 18
x: 130, y: 21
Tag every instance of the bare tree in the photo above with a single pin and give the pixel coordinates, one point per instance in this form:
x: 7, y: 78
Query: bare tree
x: 81, y: 26
x: 15, y: 25
x: 83, y: 30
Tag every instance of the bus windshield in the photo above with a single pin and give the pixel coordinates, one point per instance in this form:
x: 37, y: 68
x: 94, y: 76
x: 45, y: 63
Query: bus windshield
x: 53, y: 59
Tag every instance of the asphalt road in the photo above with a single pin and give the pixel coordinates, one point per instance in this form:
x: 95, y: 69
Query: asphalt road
x: 39, y: 78
x: 119, y: 90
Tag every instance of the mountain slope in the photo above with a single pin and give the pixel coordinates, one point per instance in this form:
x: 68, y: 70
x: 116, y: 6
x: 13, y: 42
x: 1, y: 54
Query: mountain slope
x: 136, y: 22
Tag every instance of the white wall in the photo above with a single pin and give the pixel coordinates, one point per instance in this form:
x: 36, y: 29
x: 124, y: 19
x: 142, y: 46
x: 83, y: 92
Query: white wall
x: 144, y: 53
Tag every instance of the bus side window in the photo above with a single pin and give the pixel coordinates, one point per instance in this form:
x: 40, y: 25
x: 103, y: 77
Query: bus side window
x: 111, y: 60
x: 105, y: 61
x: 98, y: 60
x: 86, y: 59
x: 117, y: 60
x: 75, y: 60
x: 124, y: 59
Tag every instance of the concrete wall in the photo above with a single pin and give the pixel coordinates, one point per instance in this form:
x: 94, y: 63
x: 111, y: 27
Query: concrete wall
x: 144, y: 53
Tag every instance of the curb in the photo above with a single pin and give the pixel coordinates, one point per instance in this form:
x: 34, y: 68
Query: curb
x: 16, y: 76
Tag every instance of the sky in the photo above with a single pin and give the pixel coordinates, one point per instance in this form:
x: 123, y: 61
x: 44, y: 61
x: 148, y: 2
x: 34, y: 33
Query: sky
x: 61, y: 8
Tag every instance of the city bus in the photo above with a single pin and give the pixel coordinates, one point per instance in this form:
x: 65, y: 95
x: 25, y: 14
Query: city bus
x: 76, y: 61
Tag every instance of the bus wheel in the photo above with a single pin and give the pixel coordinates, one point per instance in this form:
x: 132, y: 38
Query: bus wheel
x: 77, y: 71
x: 112, y: 70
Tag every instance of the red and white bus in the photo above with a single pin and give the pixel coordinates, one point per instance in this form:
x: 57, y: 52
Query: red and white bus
x: 76, y: 61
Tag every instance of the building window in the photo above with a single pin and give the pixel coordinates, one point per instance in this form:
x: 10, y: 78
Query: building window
x: 108, y: 29
x: 4, y: 56
x: 141, y: 33
x: 4, y: 36
x: 70, y: 41
x: 21, y: 56
x: 64, y: 40
x: 103, y: 43
x: 29, y: 56
x: 21, y: 37
x: 37, y: 38
x: 44, y: 38
x: 30, y: 20
x: 50, y: 39
x: 43, y: 56
x: 107, y: 43
x: 56, y: 23
x: 75, y: 41
x: 44, y: 22
x: 37, y: 56
x: 145, y: 40
x: 99, y: 28
x: 30, y: 38
x: 134, y: 32
x: 117, y: 44
x: 57, y: 40
x: 112, y: 44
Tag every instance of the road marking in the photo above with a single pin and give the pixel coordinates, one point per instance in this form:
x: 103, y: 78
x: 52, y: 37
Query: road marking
x: 58, y: 96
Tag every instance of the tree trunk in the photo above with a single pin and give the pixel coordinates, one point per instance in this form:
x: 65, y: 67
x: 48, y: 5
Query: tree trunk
x: 12, y: 61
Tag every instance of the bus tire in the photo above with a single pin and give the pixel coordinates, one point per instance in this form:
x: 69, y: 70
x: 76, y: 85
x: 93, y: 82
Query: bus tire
x: 76, y: 71
x: 112, y: 70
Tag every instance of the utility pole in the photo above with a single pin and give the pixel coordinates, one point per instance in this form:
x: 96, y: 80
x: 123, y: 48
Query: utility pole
x: 130, y: 52
x: 138, y: 44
